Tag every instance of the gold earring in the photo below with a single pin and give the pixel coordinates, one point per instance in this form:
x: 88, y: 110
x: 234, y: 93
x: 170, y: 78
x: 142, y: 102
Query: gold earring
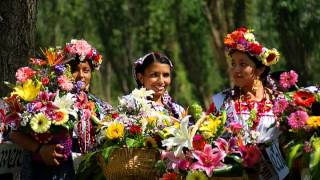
x: 256, y: 84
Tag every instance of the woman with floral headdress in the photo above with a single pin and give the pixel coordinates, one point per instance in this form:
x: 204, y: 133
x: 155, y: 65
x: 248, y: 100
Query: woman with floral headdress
x: 249, y: 104
x: 53, y: 160
x: 153, y: 72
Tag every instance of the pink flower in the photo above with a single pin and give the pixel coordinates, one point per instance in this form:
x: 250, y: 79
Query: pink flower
x: 183, y: 164
x: 228, y: 147
x: 297, y: 119
x: 24, y: 73
x: 65, y: 83
x: 208, y: 159
x: 79, y: 47
x: 235, y: 127
x: 288, y: 79
x: 280, y: 105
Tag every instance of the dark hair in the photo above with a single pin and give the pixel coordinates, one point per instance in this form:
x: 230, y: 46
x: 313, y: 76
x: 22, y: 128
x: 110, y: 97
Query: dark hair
x: 142, y: 63
x: 76, y: 61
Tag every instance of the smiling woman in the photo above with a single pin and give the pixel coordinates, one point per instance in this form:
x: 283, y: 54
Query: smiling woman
x: 153, y: 72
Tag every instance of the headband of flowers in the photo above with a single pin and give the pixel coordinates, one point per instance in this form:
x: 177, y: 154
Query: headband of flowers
x: 84, y: 51
x: 242, y: 39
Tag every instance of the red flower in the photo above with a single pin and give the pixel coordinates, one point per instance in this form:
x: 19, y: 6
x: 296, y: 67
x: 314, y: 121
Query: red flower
x: 198, y: 142
x: 45, y: 80
x: 255, y: 48
x: 115, y: 115
x: 304, y: 98
x: 251, y: 155
x: 135, y: 130
x: 169, y: 176
x: 243, y: 29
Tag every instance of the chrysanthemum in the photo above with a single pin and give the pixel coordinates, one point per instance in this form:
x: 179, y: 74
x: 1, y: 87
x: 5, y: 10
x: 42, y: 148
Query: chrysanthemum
x: 115, y: 131
x: 314, y: 121
x: 40, y: 123
x: 288, y: 79
x: 297, y: 119
x: 196, y: 175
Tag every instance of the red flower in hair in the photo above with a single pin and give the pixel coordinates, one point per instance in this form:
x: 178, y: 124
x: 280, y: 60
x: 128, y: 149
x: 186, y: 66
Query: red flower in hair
x: 243, y: 29
x: 304, y: 98
x: 255, y: 48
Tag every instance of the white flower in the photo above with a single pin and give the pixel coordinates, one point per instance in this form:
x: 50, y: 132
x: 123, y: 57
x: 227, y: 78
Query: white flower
x: 141, y: 93
x: 26, y: 117
x: 249, y: 37
x: 182, y: 138
x: 66, y: 102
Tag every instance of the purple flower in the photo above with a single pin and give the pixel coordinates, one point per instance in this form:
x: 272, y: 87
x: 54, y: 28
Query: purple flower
x: 297, y: 119
x: 79, y: 85
x: 59, y: 69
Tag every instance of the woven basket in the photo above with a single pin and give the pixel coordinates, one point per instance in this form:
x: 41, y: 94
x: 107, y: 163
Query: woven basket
x: 130, y: 164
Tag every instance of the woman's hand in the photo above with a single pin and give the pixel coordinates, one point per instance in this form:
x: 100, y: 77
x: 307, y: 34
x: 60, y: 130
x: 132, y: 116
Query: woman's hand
x: 49, y: 155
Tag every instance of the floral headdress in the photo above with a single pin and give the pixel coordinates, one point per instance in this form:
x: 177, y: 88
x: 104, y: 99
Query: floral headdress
x: 242, y: 39
x: 82, y: 50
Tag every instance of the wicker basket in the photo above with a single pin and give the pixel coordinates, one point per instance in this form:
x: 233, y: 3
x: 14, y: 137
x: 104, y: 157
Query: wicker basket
x: 133, y: 163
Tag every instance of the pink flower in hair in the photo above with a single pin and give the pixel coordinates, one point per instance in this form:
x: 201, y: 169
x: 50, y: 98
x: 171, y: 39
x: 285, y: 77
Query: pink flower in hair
x: 80, y: 47
x: 24, y: 73
x: 288, y: 79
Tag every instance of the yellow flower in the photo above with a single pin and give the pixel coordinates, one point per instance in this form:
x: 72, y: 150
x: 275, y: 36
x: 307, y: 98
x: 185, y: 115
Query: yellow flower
x: 60, y: 117
x: 270, y: 56
x: 210, y: 127
x: 115, y: 131
x: 249, y: 37
x: 314, y: 121
x: 40, y: 123
x: 196, y: 175
x: 150, y: 142
x: 28, y: 91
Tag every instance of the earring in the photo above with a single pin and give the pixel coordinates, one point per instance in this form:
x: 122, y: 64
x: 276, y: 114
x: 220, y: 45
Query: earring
x: 256, y: 84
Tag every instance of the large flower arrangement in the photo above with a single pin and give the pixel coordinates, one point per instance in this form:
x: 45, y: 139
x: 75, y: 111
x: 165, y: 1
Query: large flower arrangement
x: 200, y: 150
x: 299, y: 112
x: 137, y: 124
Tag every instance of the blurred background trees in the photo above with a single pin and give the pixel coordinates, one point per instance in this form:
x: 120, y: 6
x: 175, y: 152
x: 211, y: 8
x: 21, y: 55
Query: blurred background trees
x: 190, y: 32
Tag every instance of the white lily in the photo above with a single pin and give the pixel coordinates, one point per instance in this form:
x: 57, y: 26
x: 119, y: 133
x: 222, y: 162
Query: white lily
x: 142, y: 93
x: 66, y: 102
x: 182, y: 137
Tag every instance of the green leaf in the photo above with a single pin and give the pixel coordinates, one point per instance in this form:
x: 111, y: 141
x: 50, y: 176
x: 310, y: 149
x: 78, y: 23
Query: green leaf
x: 133, y: 143
x: 315, y: 155
x: 294, y: 153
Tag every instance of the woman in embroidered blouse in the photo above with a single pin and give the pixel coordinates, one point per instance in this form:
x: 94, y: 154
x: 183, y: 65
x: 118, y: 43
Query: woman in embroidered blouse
x: 249, y: 105
x: 153, y: 72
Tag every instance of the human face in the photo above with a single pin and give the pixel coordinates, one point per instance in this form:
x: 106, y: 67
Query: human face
x: 243, y: 70
x: 156, y: 77
x: 83, y: 73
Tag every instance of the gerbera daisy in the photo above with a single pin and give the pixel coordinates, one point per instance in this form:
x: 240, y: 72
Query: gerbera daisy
x: 304, y: 98
x: 297, y: 119
x: 150, y: 142
x: 60, y: 117
x: 314, y: 121
x: 288, y: 79
x: 115, y: 130
x: 40, y: 123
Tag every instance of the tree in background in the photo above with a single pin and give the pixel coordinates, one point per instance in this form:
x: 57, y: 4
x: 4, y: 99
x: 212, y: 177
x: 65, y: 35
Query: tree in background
x: 17, y: 37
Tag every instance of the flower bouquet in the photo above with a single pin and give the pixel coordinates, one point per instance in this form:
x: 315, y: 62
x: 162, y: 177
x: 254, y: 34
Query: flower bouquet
x: 129, y: 139
x: 199, y: 151
x: 299, y: 112
x: 43, y: 103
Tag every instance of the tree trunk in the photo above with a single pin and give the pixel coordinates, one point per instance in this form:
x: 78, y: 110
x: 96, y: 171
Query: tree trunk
x: 17, y: 37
